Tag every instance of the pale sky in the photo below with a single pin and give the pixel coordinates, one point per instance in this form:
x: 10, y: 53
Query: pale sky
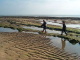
x: 39, y: 7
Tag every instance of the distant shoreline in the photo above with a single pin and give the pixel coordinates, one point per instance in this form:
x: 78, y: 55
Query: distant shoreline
x: 41, y: 17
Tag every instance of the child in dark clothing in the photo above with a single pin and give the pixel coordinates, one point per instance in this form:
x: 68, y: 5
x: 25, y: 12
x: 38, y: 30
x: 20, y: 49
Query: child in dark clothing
x: 44, y: 26
x: 63, y: 28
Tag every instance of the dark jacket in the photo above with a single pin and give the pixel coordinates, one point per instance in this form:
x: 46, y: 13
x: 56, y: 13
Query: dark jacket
x: 43, y: 25
x: 64, y: 27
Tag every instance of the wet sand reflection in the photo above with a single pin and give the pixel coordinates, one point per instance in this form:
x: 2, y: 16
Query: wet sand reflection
x: 63, y: 43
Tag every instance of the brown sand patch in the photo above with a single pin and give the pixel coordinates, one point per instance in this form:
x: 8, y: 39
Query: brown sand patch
x: 26, y: 46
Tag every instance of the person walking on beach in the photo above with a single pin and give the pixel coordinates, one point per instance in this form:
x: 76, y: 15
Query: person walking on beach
x: 63, y: 28
x: 44, y: 26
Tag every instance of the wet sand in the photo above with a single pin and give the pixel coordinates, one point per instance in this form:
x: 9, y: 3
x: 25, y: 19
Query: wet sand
x: 28, y: 46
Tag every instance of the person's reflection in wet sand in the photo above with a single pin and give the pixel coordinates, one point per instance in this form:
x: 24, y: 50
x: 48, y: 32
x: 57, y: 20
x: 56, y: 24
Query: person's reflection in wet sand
x: 63, y: 43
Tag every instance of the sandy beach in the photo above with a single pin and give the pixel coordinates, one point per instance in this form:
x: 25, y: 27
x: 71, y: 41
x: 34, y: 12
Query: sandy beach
x: 39, y: 30
x: 27, y: 46
x: 19, y: 44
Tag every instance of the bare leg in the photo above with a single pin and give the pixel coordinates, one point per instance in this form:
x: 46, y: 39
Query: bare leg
x: 43, y: 30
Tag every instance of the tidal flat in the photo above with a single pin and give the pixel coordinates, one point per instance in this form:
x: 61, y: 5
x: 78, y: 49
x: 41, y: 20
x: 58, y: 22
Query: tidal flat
x: 19, y: 44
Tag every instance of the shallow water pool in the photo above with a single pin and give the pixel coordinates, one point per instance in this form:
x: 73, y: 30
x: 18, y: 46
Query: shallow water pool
x: 2, y: 29
x: 68, y: 46
x: 77, y: 26
x: 40, y: 29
